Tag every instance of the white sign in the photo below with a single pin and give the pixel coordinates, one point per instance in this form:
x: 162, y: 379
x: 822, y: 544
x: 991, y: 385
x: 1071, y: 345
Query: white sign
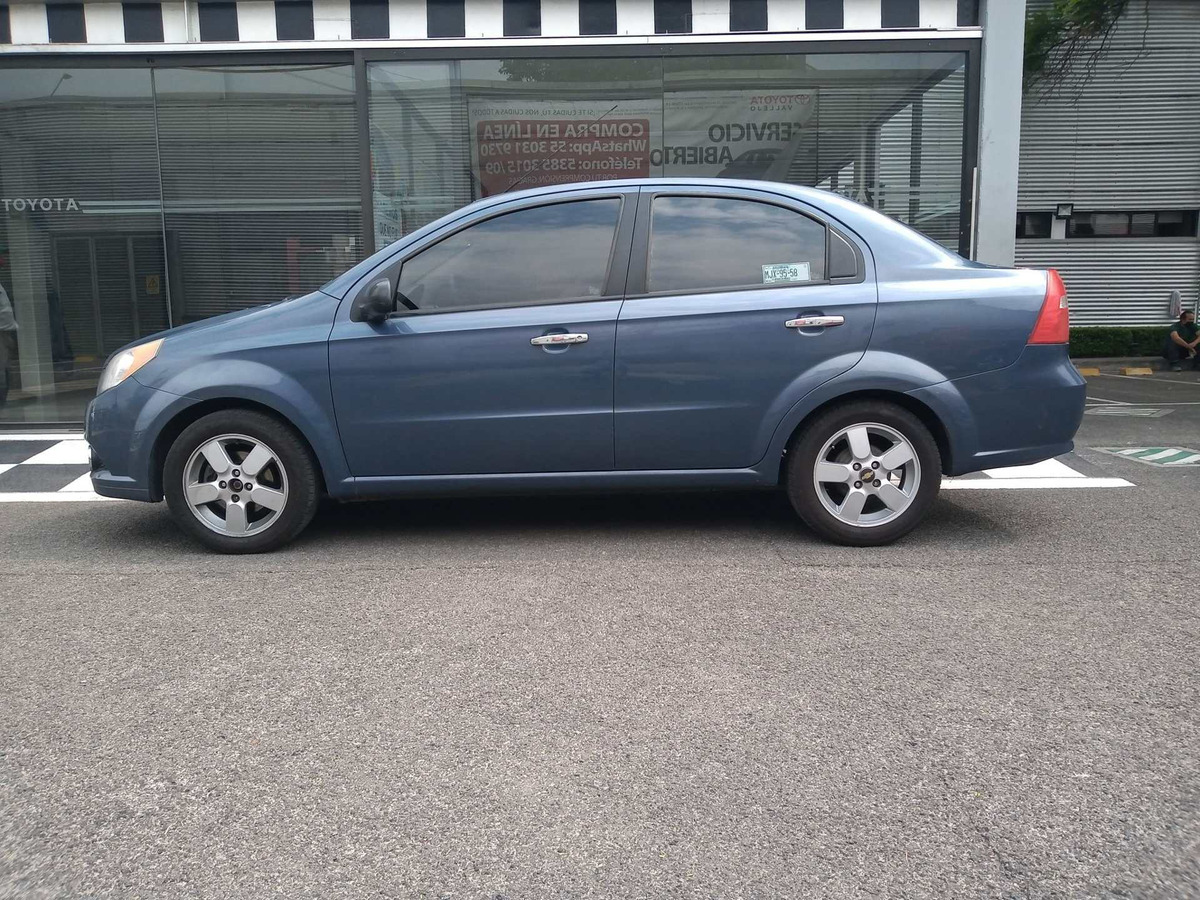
x: 732, y: 134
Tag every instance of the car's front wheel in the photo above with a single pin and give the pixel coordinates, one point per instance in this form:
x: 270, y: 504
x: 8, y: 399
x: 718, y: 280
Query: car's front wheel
x: 863, y: 473
x: 241, y: 481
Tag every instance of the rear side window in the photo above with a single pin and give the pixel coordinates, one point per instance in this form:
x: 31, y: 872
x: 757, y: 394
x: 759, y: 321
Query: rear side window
x: 843, y: 261
x: 546, y: 254
x: 715, y: 243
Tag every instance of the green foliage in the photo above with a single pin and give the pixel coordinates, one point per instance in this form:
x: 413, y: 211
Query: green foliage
x: 1067, y: 37
x: 1105, y: 340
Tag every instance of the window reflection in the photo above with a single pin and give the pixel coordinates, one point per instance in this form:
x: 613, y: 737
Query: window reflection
x: 542, y: 255
x: 706, y: 243
x: 81, y: 255
x: 885, y: 129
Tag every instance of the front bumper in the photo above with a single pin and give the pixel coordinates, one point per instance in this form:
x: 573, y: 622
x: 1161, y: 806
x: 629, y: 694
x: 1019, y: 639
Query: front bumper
x: 120, y: 426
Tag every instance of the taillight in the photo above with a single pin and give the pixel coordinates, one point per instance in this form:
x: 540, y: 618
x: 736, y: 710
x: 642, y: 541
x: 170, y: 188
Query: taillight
x: 1054, y: 321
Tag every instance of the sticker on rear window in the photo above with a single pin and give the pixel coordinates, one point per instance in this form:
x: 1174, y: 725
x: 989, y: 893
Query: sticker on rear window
x: 782, y: 273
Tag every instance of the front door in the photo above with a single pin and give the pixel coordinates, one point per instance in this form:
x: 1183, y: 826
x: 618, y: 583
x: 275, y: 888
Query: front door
x: 738, y: 305
x: 499, y: 355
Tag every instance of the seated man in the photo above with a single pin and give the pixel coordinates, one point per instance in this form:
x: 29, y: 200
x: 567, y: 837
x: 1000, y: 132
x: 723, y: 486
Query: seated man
x: 1182, y: 340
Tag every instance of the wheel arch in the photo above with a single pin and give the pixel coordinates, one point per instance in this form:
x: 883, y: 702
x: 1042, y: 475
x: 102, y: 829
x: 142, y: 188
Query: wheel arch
x: 196, y: 411
x: 928, y: 418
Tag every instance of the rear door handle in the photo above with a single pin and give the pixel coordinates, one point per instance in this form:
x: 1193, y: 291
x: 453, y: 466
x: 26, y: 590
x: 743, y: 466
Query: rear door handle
x: 815, y: 322
x: 554, y: 339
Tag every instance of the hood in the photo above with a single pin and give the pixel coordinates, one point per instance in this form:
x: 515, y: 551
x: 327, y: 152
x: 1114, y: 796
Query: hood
x: 248, y: 317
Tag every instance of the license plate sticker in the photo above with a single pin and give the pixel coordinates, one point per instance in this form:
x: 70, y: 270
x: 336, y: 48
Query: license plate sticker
x: 784, y: 273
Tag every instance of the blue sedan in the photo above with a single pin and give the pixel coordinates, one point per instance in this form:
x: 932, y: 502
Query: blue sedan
x: 605, y: 336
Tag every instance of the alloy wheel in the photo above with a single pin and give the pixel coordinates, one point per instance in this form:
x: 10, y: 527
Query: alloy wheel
x: 235, y: 485
x: 867, y: 474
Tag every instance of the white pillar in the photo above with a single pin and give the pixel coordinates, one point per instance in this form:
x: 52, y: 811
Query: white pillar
x: 635, y: 16
x: 331, y: 20
x: 484, y: 18
x: 256, y: 20
x: 174, y: 19
x: 939, y: 13
x: 408, y: 19
x: 865, y: 15
x: 785, y: 15
x: 710, y: 16
x: 27, y: 22
x: 999, y: 131
x: 105, y: 23
x: 560, y: 18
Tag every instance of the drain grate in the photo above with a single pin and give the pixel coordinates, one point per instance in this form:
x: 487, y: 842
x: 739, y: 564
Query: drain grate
x: 1171, y: 457
x: 1135, y: 411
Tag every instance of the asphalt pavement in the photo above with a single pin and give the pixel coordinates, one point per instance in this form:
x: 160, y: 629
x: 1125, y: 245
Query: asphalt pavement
x: 625, y: 696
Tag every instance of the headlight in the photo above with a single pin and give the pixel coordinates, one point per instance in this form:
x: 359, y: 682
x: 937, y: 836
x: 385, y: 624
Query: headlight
x: 126, y: 363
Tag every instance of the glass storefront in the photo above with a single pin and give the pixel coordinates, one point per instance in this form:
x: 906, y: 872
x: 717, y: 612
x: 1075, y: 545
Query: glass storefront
x: 884, y: 128
x: 138, y: 198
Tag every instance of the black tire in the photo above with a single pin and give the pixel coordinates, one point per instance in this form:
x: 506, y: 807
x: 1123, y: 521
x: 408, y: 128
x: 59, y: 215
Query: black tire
x: 802, y: 461
x: 303, y: 481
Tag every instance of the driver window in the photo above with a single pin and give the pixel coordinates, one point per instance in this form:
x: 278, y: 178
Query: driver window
x: 546, y: 254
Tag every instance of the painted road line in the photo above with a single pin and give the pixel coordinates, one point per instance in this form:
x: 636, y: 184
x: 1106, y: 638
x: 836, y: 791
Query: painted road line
x: 1135, y: 412
x: 82, y: 483
x: 41, y: 436
x: 51, y: 497
x: 1164, y: 457
x: 1000, y: 484
x: 1049, y: 468
x: 64, y: 453
x: 1156, y: 380
x: 4, y: 467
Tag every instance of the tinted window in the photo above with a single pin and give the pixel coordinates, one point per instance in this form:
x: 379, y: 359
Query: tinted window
x: 748, y: 15
x: 597, y: 16
x: 541, y: 255
x: 843, y: 261
x: 143, y: 22
x: 1150, y: 223
x: 64, y: 23
x: 522, y: 18
x: 900, y: 13
x: 6, y: 28
x: 218, y: 21
x: 823, y: 14
x: 1034, y: 224
x: 672, y: 16
x: 445, y: 18
x: 369, y: 19
x: 294, y: 20
x: 707, y: 243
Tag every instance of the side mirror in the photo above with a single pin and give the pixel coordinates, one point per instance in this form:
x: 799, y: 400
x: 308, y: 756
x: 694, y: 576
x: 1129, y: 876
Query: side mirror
x: 375, y: 303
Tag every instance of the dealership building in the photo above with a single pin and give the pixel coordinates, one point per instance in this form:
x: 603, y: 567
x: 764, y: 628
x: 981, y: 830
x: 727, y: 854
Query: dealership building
x: 165, y: 162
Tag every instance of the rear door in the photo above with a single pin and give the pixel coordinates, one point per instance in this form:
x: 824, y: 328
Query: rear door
x: 739, y: 303
x: 499, y: 355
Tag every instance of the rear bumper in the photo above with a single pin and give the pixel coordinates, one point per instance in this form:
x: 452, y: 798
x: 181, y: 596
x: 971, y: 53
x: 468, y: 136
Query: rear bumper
x: 1021, y: 414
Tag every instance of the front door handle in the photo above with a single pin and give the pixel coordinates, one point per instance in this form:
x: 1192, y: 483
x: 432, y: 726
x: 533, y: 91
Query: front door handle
x: 555, y: 339
x: 815, y: 322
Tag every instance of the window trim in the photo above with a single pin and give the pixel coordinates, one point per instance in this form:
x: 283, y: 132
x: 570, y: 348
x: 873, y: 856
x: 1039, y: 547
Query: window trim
x: 614, y: 276
x: 639, y: 265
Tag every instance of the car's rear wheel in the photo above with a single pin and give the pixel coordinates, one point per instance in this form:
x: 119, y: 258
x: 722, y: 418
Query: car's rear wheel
x: 241, y: 481
x: 863, y: 473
